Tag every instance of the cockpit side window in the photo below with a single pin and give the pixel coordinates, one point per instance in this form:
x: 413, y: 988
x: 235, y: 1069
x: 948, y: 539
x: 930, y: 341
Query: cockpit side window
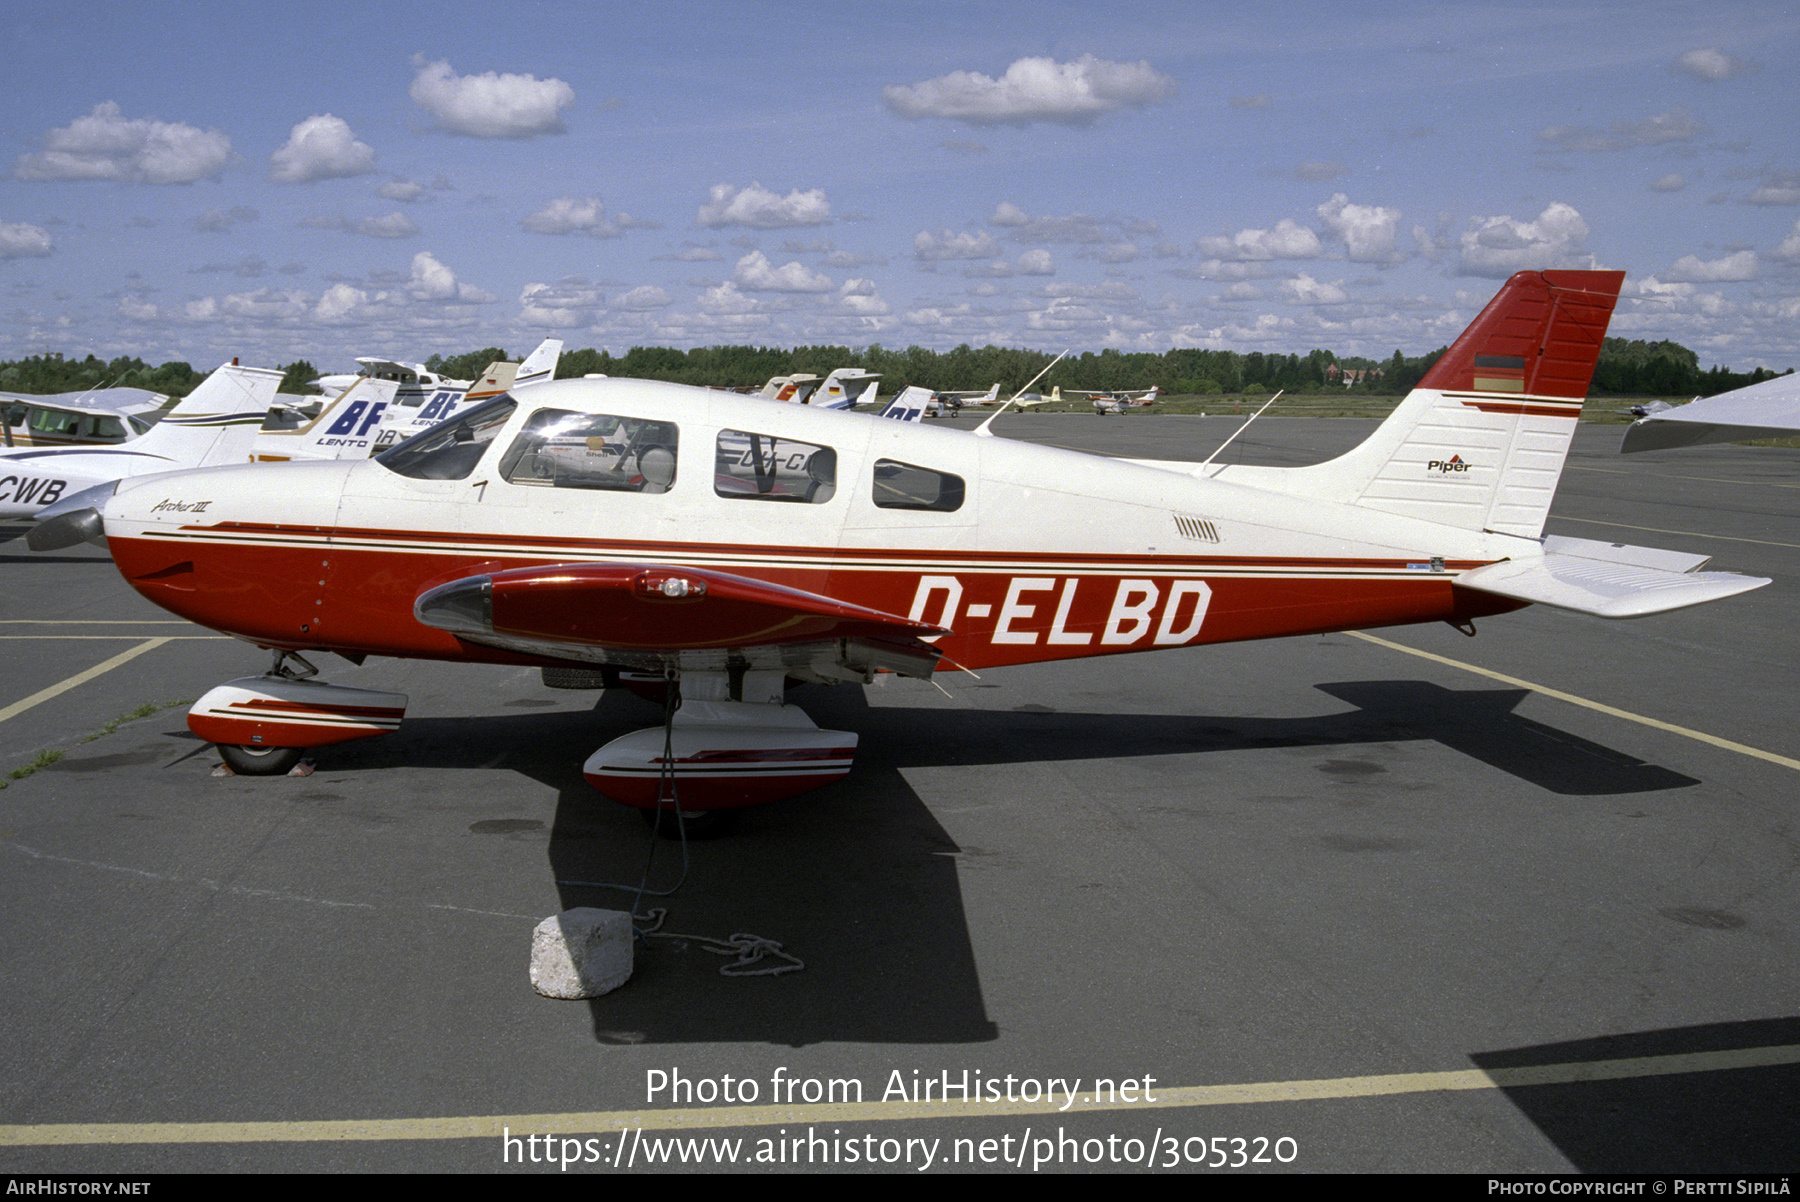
x: 762, y: 467
x: 451, y: 450
x: 563, y: 449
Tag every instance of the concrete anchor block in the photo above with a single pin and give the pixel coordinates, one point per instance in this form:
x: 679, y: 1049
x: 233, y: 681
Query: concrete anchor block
x: 581, y: 953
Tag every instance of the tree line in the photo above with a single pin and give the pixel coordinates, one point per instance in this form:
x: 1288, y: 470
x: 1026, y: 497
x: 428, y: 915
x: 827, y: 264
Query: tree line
x: 1626, y: 368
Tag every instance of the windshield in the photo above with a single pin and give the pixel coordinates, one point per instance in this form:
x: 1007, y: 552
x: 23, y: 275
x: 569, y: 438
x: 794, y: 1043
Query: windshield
x: 451, y: 450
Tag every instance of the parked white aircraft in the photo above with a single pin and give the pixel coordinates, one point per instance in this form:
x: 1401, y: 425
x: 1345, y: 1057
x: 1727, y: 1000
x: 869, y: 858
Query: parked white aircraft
x: 96, y: 417
x: 846, y: 388
x: 417, y: 384
x: 727, y: 546
x: 344, y: 427
x: 1770, y: 409
x: 400, y: 421
x: 214, y: 424
x: 367, y: 416
x: 793, y: 389
x: 1111, y: 402
x: 951, y: 402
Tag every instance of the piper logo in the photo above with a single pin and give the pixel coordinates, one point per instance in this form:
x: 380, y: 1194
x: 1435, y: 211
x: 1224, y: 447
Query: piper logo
x: 1453, y: 464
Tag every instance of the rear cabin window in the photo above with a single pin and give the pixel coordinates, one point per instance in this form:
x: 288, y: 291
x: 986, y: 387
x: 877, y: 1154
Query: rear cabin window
x: 561, y: 449
x: 908, y: 486
x: 762, y: 467
x: 54, y: 421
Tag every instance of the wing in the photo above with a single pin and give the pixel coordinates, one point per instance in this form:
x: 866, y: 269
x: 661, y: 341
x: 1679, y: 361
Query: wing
x: 1770, y: 409
x: 649, y: 617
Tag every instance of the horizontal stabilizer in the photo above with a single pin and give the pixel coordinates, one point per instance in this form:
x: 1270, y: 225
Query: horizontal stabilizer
x: 1607, y: 580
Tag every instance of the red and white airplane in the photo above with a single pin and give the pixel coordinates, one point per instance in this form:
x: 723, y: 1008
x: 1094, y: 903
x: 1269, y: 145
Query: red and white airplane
x: 728, y: 546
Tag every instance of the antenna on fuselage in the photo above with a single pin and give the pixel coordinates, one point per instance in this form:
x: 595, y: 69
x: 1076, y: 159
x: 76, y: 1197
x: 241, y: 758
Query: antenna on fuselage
x: 1240, y: 429
x: 982, y: 430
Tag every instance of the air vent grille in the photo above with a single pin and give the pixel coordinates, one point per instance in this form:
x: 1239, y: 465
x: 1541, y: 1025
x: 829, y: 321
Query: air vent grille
x: 1198, y: 529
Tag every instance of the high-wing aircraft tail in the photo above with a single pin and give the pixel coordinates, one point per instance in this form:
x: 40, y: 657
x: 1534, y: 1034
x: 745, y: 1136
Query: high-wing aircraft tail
x: 1480, y: 443
x: 345, y: 428
x: 908, y: 405
x: 498, y: 378
x: 846, y: 388
x: 539, y: 365
x: 217, y: 422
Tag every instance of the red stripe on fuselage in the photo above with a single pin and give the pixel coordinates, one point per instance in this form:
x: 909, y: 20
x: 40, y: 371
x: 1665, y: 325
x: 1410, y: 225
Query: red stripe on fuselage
x: 1003, y: 607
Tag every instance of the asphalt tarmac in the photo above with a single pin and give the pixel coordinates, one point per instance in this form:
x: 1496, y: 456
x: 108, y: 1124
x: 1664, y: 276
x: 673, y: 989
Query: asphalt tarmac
x: 1522, y: 903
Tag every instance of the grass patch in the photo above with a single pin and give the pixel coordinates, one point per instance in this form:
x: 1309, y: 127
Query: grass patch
x: 142, y: 711
x: 44, y: 759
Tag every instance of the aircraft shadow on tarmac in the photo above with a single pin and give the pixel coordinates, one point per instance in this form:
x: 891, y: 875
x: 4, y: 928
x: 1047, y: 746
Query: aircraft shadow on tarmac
x: 1728, y: 1121
x: 860, y: 880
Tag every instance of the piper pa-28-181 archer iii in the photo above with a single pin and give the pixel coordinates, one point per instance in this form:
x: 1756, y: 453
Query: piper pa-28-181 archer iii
x: 726, y: 546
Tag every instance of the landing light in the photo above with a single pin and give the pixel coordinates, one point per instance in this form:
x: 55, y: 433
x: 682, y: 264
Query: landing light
x: 658, y: 586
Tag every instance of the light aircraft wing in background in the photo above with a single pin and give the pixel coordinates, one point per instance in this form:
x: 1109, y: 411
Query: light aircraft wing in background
x: 957, y: 400
x: 1770, y: 409
x: 98, y: 416
x: 214, y: 424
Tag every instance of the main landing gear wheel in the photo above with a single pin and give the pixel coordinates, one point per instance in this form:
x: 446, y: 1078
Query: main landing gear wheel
x: 247, y: 760
x: 699, y: 824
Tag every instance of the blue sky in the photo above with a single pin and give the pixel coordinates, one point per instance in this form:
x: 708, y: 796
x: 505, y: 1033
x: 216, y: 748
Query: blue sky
x: 333, y: 180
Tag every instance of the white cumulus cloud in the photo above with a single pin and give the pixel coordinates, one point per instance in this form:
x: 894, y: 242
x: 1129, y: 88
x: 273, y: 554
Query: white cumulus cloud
x: 105, y: 145
x: 642, y: 298
x: 577, y: 215
x: 491, y: 105
x: 1789, y: 250
x: 20, y: 240
x: 1732, y: 267
x: 1676, y: 125
x: 339, y: 303
x: 1304, y: 290
x: 1710, y: 64
x: 954, y: 244
x: 761, y: 209
x: 1034, y: 89
x: 1288, y: 240
x: 1367, y: 231
x: 562, y: 305
x: 755, y: 273
x: 1499, y: 246
x: 321, y: 147
x: 431, y: 280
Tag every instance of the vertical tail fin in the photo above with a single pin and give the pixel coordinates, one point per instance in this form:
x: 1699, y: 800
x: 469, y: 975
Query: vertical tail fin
x: 908, y: 405
x: 217, y: 422
x: 346, y: 427
x: 1480, y: 443
x: 539, y: 365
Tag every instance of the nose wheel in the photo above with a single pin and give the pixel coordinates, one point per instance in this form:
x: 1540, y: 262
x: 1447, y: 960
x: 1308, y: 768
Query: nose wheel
x: 249, y: 760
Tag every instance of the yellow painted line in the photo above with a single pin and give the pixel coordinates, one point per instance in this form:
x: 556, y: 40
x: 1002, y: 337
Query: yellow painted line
x: 1690, y: 533
x: 1572, y: 699
x: 80, y: 678
x: 75, y: 638
x: 490, y: 1126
